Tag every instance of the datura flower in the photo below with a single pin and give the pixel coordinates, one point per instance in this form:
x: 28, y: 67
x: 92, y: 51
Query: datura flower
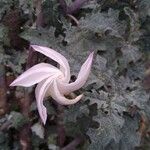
x: 53, y: 81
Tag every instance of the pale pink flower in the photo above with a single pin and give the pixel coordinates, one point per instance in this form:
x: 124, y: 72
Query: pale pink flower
x: 53, y: 81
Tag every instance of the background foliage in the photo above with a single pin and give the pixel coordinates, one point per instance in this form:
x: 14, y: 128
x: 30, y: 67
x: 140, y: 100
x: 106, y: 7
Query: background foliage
x: 115, y: 111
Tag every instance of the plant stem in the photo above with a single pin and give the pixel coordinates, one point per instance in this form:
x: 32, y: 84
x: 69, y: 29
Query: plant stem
x: 75, y: 6
x: 25, y: 133
x: 72, y: 8
x: 3, y: 91
x: 60, y: 125
x: 78, y: 140
x: 39, y: 14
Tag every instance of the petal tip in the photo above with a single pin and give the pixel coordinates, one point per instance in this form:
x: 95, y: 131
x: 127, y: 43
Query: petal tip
x: 44, y: 117
x: 44, y: 121
x: 12, y: 84
x: 92, y: 52
x: 34, y: 46
x: 80, y: 96
x: 91, y: 55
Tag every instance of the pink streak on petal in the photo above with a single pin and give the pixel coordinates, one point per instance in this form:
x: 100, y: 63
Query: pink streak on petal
x: 57, y: 96
x: 35, y: 74
x: 81, y: 79
x: 40, y: 94
x: 64, y: 66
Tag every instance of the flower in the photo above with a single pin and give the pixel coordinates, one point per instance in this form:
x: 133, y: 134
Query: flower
x: 53, y: 81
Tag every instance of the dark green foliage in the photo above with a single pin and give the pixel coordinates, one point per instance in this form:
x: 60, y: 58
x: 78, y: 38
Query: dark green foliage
x: 118, y: 33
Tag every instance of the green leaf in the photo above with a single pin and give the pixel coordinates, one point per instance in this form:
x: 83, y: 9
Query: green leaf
x: 134, y: 25
x: 17, y: 120
x: 144, y: 8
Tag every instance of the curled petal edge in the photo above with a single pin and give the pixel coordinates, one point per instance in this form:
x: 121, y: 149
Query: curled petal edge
x: 64, y: 66
x: 84, y: 72
x: 40, y: 92
x: 61, y: 99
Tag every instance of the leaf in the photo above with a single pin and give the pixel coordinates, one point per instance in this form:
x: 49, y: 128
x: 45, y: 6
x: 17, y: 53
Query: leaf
x: 114, y: 130
x: 16, y: 119
x: 5, y: 5
x: 3, y: 34
x: 75, y: 119
x: 90, y: 35
x: 134, y: 25
x: 75, y: 111
x: 109, y: 133
x: 144, y: 8
x: 130, y: 137
x: 43, y: 37
x: 130, y: 54
x: 104, y: 24
x: 16, y: 60
x: 38, y: 130
x: 2, y: 137
x: 4, y: 144
x: 108, y: 130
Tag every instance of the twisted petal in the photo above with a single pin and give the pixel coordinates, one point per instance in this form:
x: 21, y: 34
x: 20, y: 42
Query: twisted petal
x: 64, y: 66
x: 81, y: 79
x: 57, y: 96
x: 35, y: 74
x: 40, y: 92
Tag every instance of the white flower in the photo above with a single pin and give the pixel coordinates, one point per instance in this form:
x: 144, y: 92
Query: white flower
x: 53, y: 81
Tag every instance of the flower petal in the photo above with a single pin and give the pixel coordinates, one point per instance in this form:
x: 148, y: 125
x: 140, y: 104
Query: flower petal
x: 57, y: 96
x: 64, y: 66
x: 35, y: 74
x: 81, y: 79
x: 40, y: 92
